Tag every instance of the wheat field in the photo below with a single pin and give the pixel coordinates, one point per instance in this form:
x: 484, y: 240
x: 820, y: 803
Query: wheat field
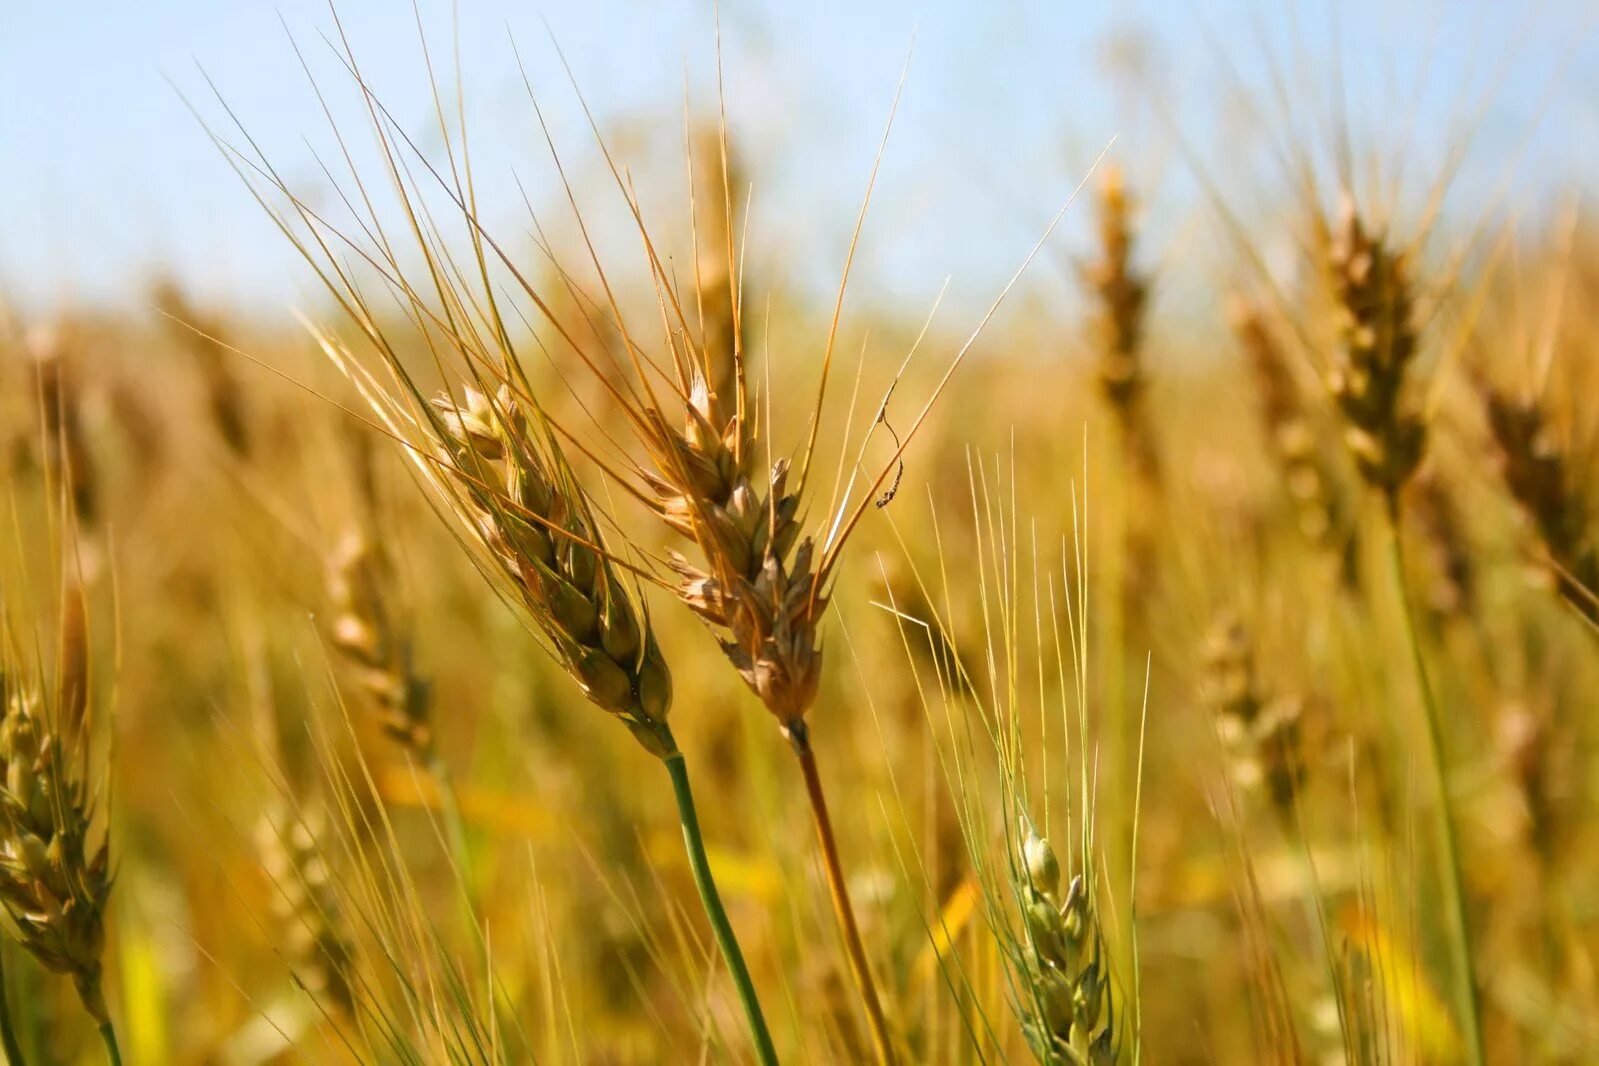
x: 580, y: 627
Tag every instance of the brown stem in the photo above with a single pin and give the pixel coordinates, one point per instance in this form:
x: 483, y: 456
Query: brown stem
x: 860, y: 968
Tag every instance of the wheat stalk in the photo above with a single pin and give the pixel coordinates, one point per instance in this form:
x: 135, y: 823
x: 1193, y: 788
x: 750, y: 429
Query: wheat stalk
x: 496, y: 466
x: 1378, y: 342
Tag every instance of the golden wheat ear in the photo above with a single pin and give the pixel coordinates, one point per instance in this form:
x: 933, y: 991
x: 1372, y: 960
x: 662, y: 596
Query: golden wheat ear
x: 308, y: 909
x: 1297, y: 441
x: 493, y: 466
x: 1542, y: 478
x: 1121, y: 300
x: 1259, y: 731
x: 1378, y: 342
x: 364, y: 631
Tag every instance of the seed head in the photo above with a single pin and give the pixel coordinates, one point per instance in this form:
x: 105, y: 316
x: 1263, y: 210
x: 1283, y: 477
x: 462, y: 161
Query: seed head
x: 1121, y: 297
x: 523, y: 502
x: 366, y: 634
x: 1311, y: 483
x: 1260, y: 736
x: 53, y: 881
x: 756, y: 587
x: 1542, y: 479
x: 1061, y: 960
x: 307, y: 905
x: 1377, y: 344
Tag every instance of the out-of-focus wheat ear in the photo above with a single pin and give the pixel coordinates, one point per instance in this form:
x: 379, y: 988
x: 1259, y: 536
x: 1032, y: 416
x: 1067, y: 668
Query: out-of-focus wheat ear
x: 1377, y: 346
x: 1451, y: 591
x: 68, y: 461
x: 315, y: 938
x: 1260, y: 733
x: 1121, y: 298
x: 1309, y: 480
x: 373, y: 644
x: 202, y: 337
x: 1542, y: 479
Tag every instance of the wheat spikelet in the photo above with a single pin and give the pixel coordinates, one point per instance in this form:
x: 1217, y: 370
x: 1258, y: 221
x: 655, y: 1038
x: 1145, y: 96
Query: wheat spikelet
x: 1121, y: 299
x: 1260, y: 735
x: 1309, y: 480
x: 54, y: 882
x: 1377, y: 342
x: 763, y: 598
x: 1069, y: 1001
x: 1543, y: 481
x: 307, y: 906
x: 365, y: 632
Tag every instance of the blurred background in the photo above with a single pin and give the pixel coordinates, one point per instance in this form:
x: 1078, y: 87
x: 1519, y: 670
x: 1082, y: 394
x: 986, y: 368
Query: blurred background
x: 1006, y: 105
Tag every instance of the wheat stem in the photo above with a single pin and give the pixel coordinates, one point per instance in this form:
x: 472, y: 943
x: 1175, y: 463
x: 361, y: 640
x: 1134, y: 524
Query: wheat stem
x: 455, y: 838
x: 1454, y: 882
x: 454, y: 824
x: 109, y: 1035
x: 860, y: 968
x: 700, y: 864
x: 8, y: 1031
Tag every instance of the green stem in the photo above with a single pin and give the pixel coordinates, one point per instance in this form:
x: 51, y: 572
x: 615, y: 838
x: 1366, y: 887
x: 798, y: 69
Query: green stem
x: 454, y: 827
x: 8, y: 1032
x: 694, y: 843
x: 1454, y: 881
x: 109, y: 1035
x: 460, y: 857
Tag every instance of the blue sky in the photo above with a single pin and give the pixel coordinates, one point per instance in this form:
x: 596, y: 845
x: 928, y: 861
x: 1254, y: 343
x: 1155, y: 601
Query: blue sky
x: 107, y: 178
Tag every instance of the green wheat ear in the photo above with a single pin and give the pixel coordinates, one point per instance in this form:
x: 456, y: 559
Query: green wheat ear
x: 55, y: 878
x: 1069, y: 1007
